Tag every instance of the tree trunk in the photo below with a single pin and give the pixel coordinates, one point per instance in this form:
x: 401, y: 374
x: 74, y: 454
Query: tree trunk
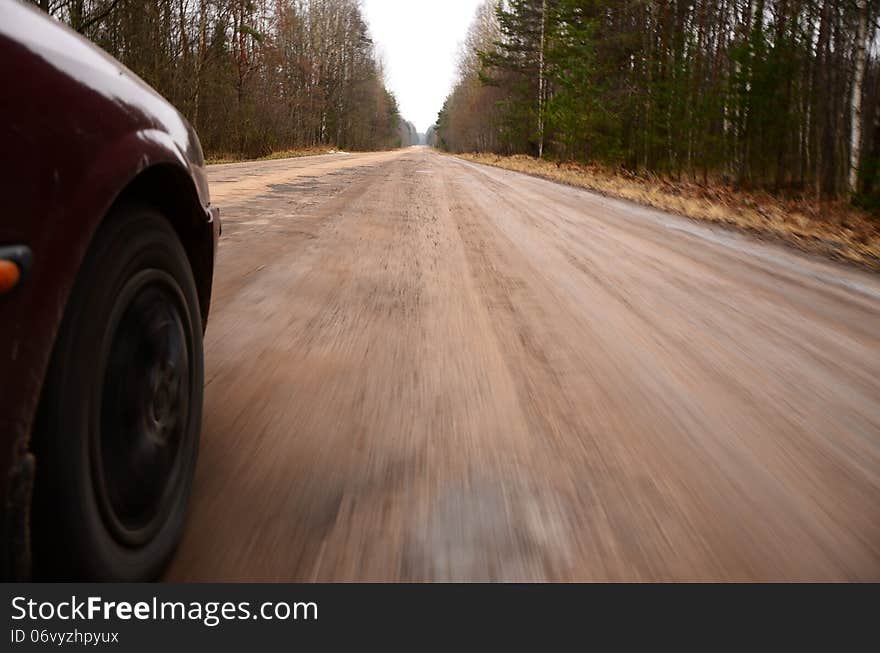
x: 856, y: 104
x: 541, y: 81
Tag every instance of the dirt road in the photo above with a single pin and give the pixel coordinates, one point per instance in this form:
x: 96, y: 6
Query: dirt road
x: 424, y: 369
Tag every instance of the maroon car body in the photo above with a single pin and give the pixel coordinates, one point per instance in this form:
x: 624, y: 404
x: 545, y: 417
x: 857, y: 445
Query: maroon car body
x: 79, y: 131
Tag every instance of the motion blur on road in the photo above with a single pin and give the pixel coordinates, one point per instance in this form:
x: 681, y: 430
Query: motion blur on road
x: 419, y: 368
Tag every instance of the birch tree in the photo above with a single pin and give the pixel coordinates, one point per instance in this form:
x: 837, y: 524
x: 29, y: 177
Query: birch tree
x: 775, y: 94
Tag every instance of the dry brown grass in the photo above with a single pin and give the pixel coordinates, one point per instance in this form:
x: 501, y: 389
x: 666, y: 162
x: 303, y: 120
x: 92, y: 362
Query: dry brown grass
x: 281, y: 154
x: 834, y: 229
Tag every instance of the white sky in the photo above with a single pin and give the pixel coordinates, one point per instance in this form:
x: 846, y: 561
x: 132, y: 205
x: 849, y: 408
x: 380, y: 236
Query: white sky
x: 419, y: 41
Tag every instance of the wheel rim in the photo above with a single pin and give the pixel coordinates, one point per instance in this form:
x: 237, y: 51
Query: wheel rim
x: 143, y: 437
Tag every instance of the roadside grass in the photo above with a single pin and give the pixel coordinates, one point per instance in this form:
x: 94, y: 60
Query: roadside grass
x: 835, y: 229
x: 281, y: 154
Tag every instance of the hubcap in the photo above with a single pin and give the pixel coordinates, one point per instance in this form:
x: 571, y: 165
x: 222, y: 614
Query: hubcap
x: 144, y: 408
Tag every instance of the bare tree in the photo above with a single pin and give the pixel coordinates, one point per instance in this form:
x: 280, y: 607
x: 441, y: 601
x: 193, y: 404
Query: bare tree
x: 252, y: 75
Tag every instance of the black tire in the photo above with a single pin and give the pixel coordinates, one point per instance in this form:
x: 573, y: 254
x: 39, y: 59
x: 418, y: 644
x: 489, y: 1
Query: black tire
x: 116, y: 435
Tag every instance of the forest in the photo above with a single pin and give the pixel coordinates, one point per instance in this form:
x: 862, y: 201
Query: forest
x: 780, y: 95
x: 253, y: 76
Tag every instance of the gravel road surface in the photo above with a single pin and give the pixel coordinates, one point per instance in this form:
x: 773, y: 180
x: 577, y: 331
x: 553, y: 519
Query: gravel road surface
x: 420, y: 368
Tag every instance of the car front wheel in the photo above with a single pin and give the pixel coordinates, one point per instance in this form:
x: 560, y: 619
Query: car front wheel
x: 117, y: 432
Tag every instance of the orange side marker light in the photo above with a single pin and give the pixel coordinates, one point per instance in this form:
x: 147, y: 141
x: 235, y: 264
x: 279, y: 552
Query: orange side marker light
x: 10, y: 275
